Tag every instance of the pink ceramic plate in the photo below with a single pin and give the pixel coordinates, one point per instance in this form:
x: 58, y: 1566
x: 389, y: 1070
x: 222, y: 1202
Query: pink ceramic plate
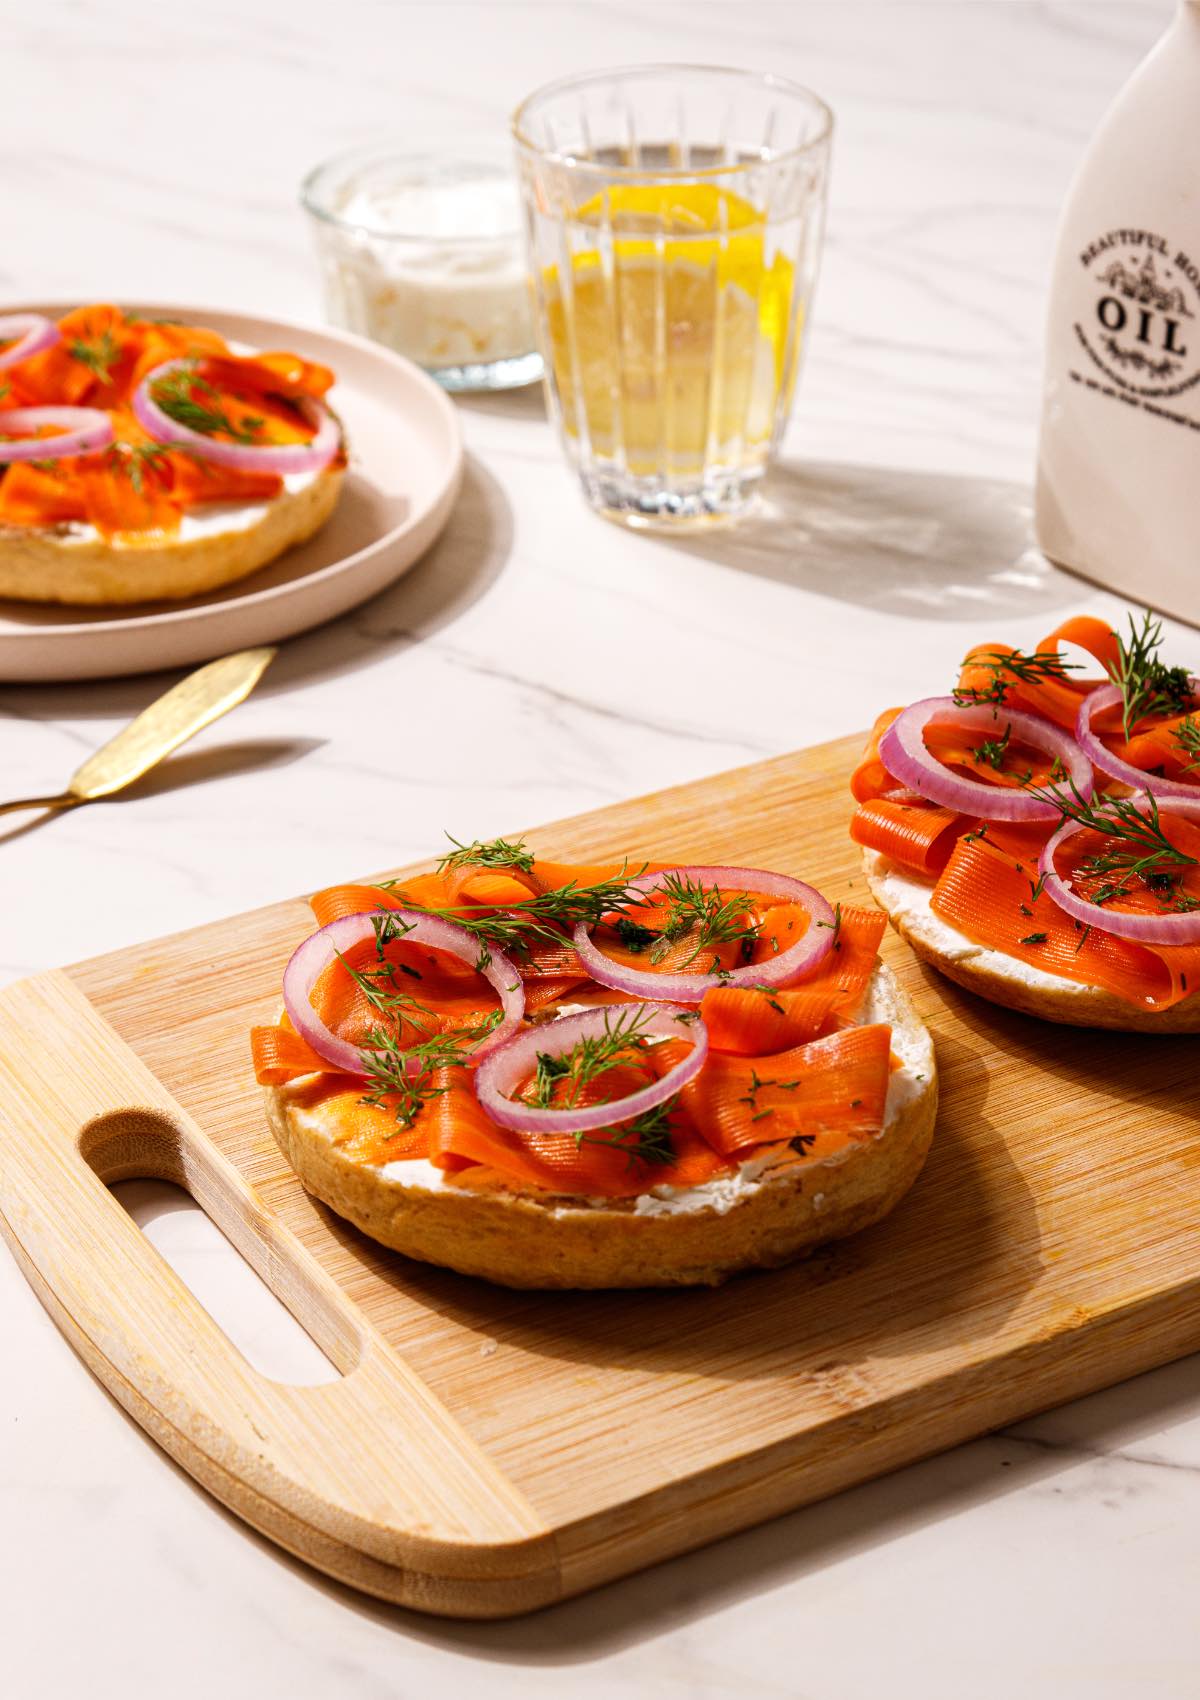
x: 405, y: 469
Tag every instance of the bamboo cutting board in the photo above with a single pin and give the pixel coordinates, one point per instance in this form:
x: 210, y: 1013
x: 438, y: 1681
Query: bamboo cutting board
x: 485, y: 1452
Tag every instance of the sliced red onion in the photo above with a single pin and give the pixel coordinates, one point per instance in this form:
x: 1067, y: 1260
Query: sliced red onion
x: 83, y: 431
x: 780, y: 970
x: 318, y: 951
x: 903, y: 752
x: 1108, y: 696
x: 35, y: 332
x: 250, y: 457
x: 1143, y: 929
x: 514, y: 1062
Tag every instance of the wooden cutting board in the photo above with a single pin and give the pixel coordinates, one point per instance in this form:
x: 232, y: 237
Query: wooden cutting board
x: 484, y: 1451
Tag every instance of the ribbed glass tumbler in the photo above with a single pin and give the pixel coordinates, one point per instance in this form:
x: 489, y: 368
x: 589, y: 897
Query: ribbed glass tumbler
x: 674, y: 217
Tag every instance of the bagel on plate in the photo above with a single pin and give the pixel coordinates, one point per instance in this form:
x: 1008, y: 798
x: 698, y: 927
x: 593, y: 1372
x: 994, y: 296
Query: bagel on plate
x: 555, y: 1076
x: 1036, y: 836
x: 142, y: 460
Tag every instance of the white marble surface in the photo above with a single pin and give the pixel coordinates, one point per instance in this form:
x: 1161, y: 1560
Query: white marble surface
x: 154, y: 149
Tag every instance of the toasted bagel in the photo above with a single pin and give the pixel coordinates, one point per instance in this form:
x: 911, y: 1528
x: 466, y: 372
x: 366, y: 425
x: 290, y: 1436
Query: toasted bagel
x: 216, y: 546
x: 1003, y: 979
x: 764, y: 1214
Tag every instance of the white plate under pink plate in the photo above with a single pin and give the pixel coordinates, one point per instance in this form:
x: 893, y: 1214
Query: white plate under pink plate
x: 405, y: 468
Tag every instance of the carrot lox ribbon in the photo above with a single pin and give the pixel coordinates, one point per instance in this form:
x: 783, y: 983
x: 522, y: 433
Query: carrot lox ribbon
x: 992, y: 896
x: 824, y: 1094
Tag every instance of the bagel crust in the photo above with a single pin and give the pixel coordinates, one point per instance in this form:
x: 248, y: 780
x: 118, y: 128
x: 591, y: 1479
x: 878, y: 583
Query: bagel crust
x: 763, y: 1215
x: 77, y: 566
x: 1003, y: 979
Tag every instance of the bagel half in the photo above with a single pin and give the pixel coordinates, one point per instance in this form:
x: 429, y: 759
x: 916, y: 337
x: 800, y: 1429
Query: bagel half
x: 216, y: 545
x: 762, y: 1215
x: 1002, y: 979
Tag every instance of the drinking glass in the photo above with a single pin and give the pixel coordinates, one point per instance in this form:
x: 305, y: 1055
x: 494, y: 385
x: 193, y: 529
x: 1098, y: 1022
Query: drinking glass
x: 673, y: 218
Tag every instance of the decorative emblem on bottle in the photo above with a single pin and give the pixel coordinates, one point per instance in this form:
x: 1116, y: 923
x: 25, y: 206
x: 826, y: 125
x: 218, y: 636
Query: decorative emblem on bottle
x: 1143, y: 328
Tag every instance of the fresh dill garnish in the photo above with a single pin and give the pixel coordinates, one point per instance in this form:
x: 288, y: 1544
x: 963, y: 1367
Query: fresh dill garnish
x: 1036, y: 888
x: 645, y: 1139
x: 835, y: 925
x: 489, y: 853
x: 99, y: 356
x: 1187, y: 738
x: 992, y: 751
x: 1143, y: 852
x: 1147, y: 685
x: 979, y: 832
x: 705, y: 915
x: 550, y: 916
x: 634, y: 937
x: 179, y: 394
x: 1035, y: 938
x: 620, y: 1044
x: 750, y: 1096
x: 400, y: 1076
x: 549, y: 1070
x: 135, y: 460
x: 769, y: 993
x: 1005, y: 670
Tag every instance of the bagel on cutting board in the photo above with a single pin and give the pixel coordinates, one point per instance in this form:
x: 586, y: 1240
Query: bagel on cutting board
x: 1036, y: 836
x: 142, y: 460
x: 472, y: 1070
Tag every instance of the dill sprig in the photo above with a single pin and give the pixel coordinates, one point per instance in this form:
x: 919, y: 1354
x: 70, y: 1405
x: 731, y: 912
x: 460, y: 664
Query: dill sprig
x: 1032, y: 669
x: 1143, y: 851
x: 1147, y: 685
x: 178, y: 394
x: 646, y: 1139
x: 549, y: 916
x: 489, y: 853
x: 1187, y: 738
x: 135, y: 460
x: 715, y: 919
x: 99, y: 356
x: 621, y: 1043
x: 635, y: 938
x: 400, y: 1075
x: 992, y: 751
x: 750, y: 1097
x: 835, y: 925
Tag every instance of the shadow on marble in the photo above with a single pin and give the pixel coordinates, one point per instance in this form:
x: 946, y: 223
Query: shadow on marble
x: 180, y: 771
x: 461, y: 566
x: 921, y: 545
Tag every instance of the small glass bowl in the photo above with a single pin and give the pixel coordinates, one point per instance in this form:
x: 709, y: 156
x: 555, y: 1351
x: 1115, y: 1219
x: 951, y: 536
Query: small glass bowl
x: 426, y: 255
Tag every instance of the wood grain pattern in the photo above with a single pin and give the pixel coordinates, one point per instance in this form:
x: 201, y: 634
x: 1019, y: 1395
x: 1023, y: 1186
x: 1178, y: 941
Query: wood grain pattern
x: 553, y: 1441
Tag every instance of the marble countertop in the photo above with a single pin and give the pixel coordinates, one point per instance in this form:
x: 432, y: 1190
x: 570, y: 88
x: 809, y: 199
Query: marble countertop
x: 155, y: 149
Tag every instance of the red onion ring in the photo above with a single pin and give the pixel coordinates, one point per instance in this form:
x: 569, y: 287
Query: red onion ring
x: 316, y: 953
x: 1143, y: 929
x: 36, y: 334
x: 902, y: 751
x: 507, y: 1067
x: 779, y: 970
x: 84, y: 430
x: 250, y: 457
x: 1102, y: 758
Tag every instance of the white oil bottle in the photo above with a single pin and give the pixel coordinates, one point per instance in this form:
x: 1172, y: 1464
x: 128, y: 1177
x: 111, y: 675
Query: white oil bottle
x: 1118, y: 488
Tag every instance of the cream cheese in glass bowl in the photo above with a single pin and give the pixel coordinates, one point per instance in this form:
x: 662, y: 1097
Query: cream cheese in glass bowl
x: 426, y: 256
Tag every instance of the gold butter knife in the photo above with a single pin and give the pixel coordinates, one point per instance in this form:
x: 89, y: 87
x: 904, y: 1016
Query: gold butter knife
x: 189, y: 706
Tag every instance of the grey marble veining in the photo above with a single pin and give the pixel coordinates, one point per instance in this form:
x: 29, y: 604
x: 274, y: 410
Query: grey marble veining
x: 150, y: 148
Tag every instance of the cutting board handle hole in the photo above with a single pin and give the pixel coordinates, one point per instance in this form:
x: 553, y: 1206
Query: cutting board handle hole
x: 141, y: 1156
x: 239, y: 1301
